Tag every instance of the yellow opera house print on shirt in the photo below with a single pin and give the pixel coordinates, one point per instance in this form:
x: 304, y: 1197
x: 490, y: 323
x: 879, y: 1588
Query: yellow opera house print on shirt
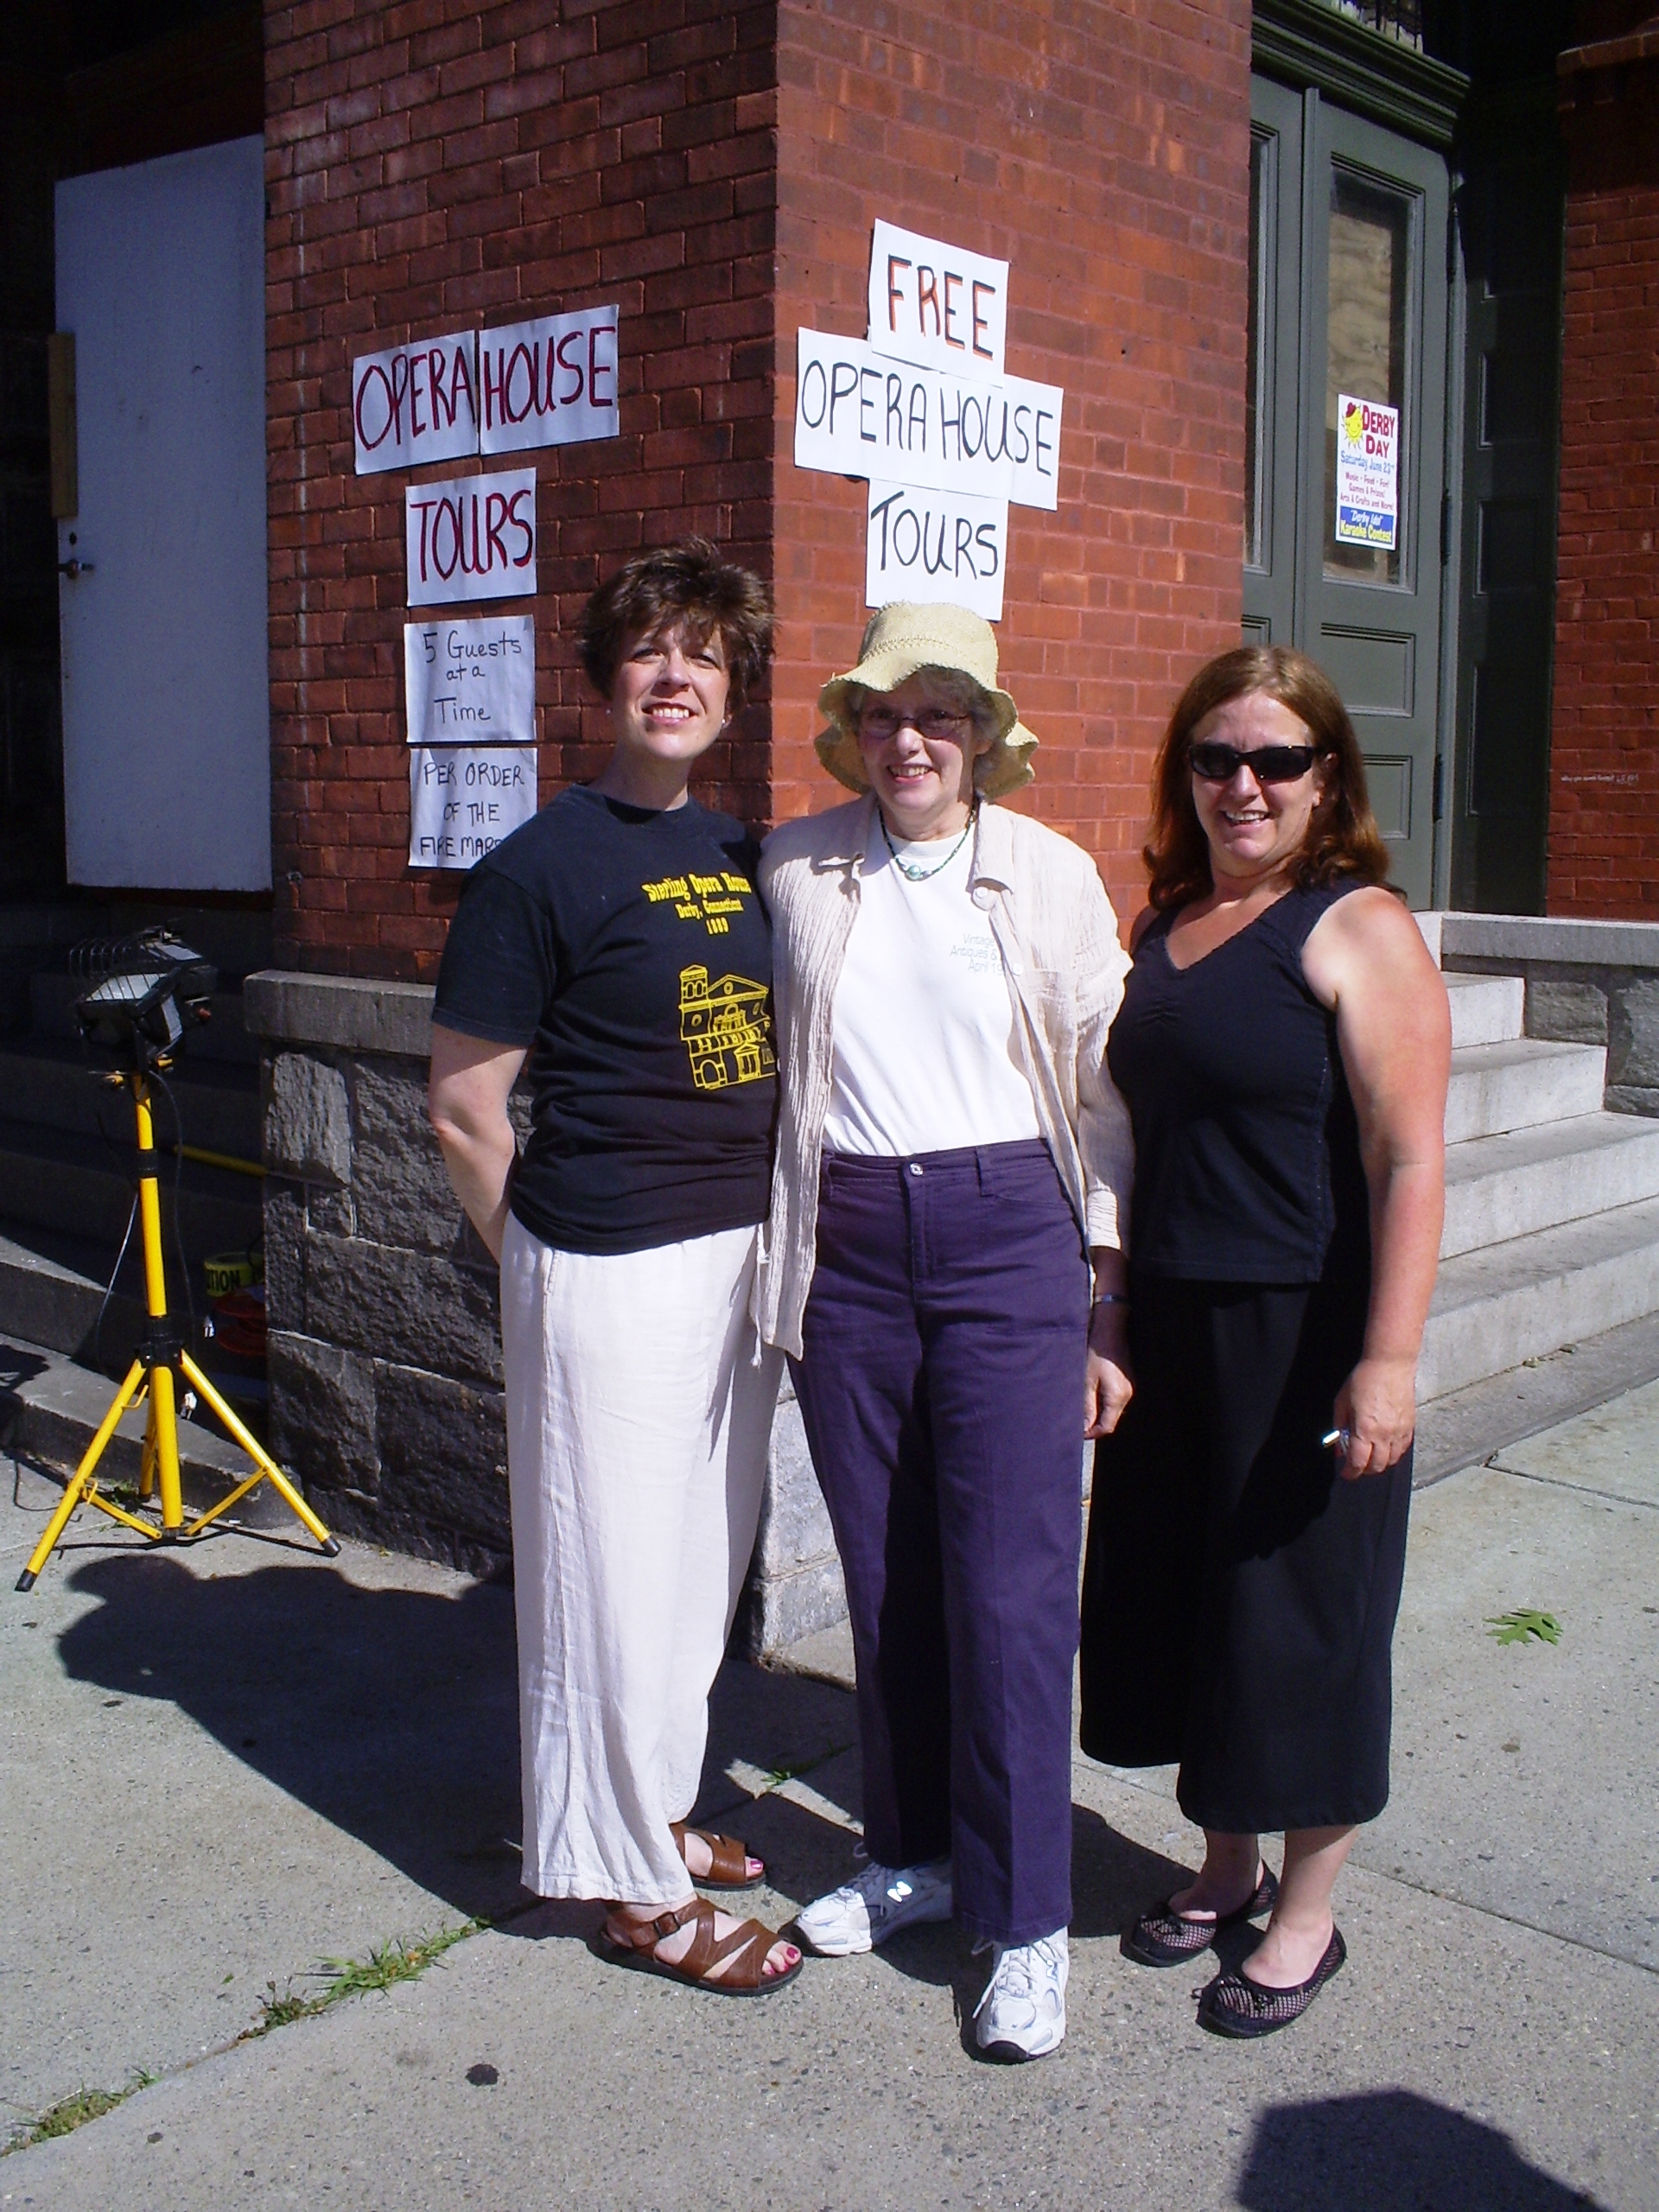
x: 727, y: 1029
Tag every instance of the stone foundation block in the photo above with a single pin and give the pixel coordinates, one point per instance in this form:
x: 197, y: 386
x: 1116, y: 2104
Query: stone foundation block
x: 284, y: 1254
x: 409, y: 1307
x: 307, y: 1126
x: 398, y: 1181
x: 795, y: 1585
x: 443, y: 1453
x: 323, y: 1424
x: 1567, y: 1009
x: 1633, y: 1031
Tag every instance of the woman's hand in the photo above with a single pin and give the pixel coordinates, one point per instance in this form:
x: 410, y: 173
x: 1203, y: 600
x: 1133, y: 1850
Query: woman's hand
x: 1109, y: 1381
x: 1377, y: 1406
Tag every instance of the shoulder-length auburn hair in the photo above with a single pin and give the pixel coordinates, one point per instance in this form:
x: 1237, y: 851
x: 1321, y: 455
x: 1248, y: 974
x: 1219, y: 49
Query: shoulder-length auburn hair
x: 1343, y: 838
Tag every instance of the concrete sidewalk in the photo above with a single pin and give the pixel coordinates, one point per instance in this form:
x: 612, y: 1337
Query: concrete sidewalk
x: 222, y: 1766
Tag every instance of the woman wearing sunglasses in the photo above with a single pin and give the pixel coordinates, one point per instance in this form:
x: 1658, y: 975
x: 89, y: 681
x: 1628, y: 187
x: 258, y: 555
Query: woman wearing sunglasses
x: 950, y: 1145
x: 1283, y: 1047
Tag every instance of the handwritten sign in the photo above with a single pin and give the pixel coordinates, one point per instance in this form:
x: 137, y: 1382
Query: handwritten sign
x: 1368, y: 472
x: 935, y: 547
x: 471, y: 681
x: 938, y: 305
x: 924, y: 408
x: 415, y: 403
x: 471, y: 537
x: 547, y: 382
x: 463, y: 800
x: 1034, y: 440
x: 859, y: 413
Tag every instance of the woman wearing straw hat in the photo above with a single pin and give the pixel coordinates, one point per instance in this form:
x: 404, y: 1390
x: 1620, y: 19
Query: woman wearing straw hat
x: 950, y: 1150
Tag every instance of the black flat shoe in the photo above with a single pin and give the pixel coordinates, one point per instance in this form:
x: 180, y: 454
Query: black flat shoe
x: 1233, y: 2006
x: 1163, y: 1938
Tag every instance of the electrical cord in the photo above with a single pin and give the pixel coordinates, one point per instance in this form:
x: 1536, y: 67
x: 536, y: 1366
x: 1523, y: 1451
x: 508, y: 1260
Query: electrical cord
x: 109, y: 1292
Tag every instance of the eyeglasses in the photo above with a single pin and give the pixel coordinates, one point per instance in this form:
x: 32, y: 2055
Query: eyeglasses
x: 1214, y: 762
x: 946, y: 723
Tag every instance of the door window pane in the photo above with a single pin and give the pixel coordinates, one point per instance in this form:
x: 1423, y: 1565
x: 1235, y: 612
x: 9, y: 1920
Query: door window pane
x: 1257, y: 393
x: 1368, y: 325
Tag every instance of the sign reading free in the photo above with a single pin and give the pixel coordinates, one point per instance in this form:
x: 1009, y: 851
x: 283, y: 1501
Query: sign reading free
x: 937, y: 305
x: 551, y: 382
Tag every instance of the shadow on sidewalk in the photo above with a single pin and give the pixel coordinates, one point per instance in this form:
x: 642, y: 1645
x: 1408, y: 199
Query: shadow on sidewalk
x: 392, y: 1713
x: 1389, y: 2151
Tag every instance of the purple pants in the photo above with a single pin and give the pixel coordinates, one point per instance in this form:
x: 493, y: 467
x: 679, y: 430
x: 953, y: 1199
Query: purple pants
x: 945, y: 1339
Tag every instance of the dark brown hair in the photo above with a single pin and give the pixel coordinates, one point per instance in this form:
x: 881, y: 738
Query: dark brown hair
x: 1343, y: 838
x: 690, y: 582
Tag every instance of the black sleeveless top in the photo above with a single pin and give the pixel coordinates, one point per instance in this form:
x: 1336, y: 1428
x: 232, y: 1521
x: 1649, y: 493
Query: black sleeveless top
x: 1247, y: 1165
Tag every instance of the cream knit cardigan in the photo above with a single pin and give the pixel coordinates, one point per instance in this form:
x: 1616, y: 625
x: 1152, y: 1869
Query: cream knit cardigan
x: 1058, y: 935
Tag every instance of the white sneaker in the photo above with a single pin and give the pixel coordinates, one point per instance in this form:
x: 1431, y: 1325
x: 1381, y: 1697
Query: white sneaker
x: 1022, y: 2013
x: 875, y: 1904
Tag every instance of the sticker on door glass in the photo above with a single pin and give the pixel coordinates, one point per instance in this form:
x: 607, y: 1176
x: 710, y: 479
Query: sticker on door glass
x: 1368, y: 472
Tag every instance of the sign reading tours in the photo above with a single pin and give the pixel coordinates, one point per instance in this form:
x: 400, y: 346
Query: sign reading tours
x: 547, y: 382
x: 1368, y: 472
x: 924, y: 408
x: 470, y: 682
x: 464, y: 800
x: 471, y: 537
x: 935, y: 547
x: 937, y: 305
x: 550, y: 383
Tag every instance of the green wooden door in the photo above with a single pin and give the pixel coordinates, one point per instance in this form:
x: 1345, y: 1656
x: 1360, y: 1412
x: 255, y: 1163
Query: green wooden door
x: 1346, y: 469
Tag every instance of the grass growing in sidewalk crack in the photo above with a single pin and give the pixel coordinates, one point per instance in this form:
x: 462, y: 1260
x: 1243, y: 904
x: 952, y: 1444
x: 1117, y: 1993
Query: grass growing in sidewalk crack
x: 73, y: 2112
x: 337, y: 1978
x: 776, y: 1776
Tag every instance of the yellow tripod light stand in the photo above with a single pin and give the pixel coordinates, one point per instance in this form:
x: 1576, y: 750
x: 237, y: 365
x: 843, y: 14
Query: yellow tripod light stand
x: 161, y: 1367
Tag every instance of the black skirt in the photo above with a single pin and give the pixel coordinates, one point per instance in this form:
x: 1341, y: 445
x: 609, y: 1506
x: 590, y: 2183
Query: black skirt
x: 1239, y: 1599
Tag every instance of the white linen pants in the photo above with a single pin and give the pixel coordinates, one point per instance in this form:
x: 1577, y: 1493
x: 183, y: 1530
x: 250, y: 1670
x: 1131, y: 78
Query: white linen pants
x: 638, y: 1418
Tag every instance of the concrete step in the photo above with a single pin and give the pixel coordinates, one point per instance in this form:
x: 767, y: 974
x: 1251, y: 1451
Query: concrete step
x: 51, y: 1290
x: 1486, y: 1009
x: 52, y: 1006
x: 79, y: 1186
x: 1525, y: 1297
x: 47, y: 1080
x: 1499, y: 1188
x: 1521, y: 1083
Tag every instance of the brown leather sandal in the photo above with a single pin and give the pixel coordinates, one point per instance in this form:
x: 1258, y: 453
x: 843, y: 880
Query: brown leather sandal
x: 729, y: 1860
x: 747, y: 1946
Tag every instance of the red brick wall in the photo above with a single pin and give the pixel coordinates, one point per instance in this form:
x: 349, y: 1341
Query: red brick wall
x: 1604, y: 824
x: 434, y: 162
x: 1103, y: 151
x: 440, y: 163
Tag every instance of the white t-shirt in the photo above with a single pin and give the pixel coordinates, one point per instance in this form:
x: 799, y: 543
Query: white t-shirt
x: 923, y: 1020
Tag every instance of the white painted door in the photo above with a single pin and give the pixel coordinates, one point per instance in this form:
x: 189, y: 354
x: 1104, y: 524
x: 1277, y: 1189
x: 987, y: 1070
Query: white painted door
x: 166, y: 701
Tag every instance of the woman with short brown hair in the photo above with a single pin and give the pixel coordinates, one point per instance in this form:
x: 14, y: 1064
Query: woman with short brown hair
x: 1283, y: 1049
x: 617, y: 947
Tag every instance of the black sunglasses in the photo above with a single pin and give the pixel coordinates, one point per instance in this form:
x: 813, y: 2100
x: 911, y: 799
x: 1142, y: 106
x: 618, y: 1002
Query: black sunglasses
x: 1268, y: 764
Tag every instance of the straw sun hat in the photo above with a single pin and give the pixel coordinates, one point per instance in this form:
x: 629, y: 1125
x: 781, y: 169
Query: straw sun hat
x: 900, y: 641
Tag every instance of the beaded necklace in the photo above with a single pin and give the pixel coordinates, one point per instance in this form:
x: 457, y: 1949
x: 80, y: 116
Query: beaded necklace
x: 908, y: 870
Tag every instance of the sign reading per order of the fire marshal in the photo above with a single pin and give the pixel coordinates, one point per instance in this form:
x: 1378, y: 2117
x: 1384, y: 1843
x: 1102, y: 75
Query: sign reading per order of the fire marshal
x: 1368, y: 472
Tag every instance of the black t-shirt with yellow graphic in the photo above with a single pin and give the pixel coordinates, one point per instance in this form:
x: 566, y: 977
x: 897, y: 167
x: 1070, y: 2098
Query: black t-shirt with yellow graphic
x: 629, y: 951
